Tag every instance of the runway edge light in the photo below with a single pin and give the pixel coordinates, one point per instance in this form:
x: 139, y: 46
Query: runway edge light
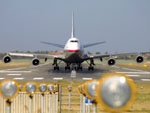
x: 9, y: 89
x: 116, y: 92
x: 30, y: 88
x: 42, y: 88
x: 90, y: 89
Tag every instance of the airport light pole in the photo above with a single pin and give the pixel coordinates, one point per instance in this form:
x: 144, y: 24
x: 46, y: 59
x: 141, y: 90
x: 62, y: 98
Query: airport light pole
x: 51, y: 90
x: 9, y: 89
x: 94, y: 107
x: 115, y: 92
x: 88, y: 105
x: 90, y: 91
x: 42, y: 89
x: 60, y: 94
x: 82, y: 91
x: 30, y: 88
x: 59, y: 89
x: 69, y: 99
x: 81, y: 102
x: 54, y: 98
x: 84, y: 104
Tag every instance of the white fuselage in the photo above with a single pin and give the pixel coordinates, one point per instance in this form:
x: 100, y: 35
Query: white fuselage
x: 73, y: 51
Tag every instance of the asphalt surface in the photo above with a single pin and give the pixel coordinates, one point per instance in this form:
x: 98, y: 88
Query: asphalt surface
x: 45, y: 72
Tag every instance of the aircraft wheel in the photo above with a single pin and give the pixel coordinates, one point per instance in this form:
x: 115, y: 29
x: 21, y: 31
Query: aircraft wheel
x: 79, y: 68
x: 74, y: 68
x: 56, y: 68
x: 67, y: 68
x: 91, y: 68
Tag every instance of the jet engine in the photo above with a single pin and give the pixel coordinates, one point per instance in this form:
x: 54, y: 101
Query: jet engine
x: 139, y: 59
x: 35, y: 62
x: 111, y: 62
x: 7, y: 59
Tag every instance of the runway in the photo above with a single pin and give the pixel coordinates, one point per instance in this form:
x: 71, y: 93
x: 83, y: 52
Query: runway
x: 45, y: 73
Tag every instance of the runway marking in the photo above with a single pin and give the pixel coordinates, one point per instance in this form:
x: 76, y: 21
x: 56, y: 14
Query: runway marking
x: 87, y: 78
x: 40, y: 65
x: 131, y: 69
x: 14, y: 74
x: 145, y: 80
x: 2, y: 78
x: 133, y: 75
x: 16, y: 68
x: 4, y: 71
x: 18, y: 78
x: 127, y: 68
x: 38, y: 78
x: 116, y: 67
x: 13, y: 69
x: 143, y: 72
x: 57, y: 78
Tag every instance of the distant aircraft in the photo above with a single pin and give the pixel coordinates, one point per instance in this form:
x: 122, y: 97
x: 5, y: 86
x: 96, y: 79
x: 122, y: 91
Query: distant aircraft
x: 73, y: 56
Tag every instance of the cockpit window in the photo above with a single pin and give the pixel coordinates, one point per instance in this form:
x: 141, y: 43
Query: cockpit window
x: 73, y: 41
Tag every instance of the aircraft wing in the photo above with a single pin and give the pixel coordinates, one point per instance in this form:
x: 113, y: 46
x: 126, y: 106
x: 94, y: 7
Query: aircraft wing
x: 35, y: 61
x: 92, y: 44
x: 53, y: 44
x: 34, y: 55
x: 115, y: 55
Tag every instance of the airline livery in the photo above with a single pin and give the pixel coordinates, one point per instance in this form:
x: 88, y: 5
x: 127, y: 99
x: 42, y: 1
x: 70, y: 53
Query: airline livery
x: 73, y: 56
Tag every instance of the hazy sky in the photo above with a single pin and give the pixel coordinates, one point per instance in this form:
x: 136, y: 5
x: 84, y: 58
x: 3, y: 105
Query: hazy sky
x: 123, y: 24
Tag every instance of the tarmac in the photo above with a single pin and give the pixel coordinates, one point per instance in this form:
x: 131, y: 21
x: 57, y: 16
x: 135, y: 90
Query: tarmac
x: 45, y: 73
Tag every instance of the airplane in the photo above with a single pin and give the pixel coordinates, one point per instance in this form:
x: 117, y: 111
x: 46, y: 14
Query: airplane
x: 73, y: 56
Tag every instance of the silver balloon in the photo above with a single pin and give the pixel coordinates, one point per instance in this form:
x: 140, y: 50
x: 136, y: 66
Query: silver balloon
x: 50, y: 87
x: 115, y: 92
x: 91, y: 88
x: 9, y: 89
x: 43, y: 88
x: 31, y: 88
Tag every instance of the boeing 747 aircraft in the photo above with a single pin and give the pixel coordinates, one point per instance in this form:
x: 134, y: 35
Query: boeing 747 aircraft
x: 73, y: 56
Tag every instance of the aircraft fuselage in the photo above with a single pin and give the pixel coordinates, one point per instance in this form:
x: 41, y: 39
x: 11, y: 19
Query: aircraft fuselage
x: 73, y: 51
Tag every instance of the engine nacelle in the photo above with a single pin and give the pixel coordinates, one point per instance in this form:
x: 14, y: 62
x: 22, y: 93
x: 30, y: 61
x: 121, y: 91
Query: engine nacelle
x: 35, y: 62
x: 139, y: 59
x: 111, y: 62
x: 7, y: 59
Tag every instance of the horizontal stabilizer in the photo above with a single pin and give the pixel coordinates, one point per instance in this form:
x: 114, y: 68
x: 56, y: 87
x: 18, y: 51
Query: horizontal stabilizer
x: 93, y: 44
x: 53, y: 44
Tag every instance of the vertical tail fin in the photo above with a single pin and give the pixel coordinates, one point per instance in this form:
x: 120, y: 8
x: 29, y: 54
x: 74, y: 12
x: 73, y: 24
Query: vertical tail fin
x: 72, y: 33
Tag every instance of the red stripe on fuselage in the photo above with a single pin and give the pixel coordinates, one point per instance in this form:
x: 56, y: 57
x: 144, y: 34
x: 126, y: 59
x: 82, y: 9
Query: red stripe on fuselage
x: 71, y: 50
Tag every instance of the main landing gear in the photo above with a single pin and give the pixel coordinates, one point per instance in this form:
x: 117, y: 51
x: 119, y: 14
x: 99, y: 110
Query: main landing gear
x: 79, y: 67
x: 67, y: 67
x: 74, y: 67
x: 56, y: 67
x: 91, y: 67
